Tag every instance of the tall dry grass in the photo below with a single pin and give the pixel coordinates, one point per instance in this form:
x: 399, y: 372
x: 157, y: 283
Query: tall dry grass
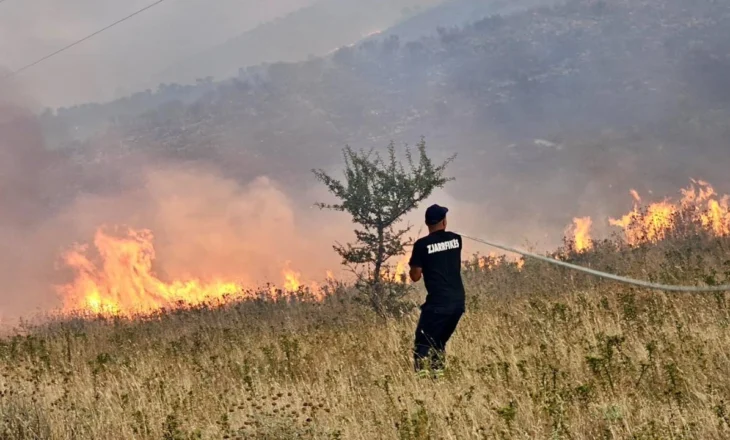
x: 542, y: 353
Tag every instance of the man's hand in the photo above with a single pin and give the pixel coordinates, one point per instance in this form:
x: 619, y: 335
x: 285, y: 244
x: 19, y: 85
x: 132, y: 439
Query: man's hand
x: 416, y: 273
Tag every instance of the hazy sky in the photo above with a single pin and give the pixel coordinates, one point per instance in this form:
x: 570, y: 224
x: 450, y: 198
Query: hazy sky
x: 118, y: 59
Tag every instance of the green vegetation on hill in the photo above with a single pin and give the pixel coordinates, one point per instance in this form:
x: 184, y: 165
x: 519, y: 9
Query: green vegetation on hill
x: 605, y: 62
x: 626, y: 92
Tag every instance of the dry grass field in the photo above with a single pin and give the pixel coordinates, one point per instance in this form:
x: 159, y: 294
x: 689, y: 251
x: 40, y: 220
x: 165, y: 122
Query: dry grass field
x: 541, y: 354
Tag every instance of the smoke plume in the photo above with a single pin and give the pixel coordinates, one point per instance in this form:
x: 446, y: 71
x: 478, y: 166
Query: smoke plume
x: 205, y: 226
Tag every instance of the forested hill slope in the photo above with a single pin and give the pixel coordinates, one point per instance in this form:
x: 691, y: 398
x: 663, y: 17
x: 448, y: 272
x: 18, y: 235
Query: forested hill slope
x: 458, y: 13
x: 624, y: 92
x: 314, y: 30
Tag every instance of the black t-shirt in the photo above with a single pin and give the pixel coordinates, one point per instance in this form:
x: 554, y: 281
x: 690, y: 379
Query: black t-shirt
x: 439, y: 256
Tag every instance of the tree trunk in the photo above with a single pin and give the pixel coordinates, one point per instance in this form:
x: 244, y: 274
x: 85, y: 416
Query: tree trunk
x: 377, y: 287
x: 379, y: 255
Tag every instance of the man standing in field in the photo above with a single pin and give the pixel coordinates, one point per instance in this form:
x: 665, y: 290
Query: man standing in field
x: 437, y: 257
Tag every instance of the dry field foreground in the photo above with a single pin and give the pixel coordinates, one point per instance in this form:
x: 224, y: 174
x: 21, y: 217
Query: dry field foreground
x: 595, y: 360
x: 542, y: 353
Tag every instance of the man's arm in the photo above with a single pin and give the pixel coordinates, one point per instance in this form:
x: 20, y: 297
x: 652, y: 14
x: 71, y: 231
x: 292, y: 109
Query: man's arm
x: 416, y: 263
x: 416, y: 273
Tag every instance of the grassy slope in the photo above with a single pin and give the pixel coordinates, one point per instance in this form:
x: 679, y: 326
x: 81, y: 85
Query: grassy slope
x: 575, y: 366
x: 540, y: 354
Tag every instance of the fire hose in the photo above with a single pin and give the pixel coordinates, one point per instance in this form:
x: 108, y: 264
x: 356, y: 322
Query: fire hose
x: 598, y: 273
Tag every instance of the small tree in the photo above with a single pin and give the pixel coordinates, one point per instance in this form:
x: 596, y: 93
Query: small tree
x: 377, y: 193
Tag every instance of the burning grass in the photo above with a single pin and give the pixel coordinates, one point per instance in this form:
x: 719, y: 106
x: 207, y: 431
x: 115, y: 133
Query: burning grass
x: 117, y: 276
x: 541, y: 353
x: 700, y: 207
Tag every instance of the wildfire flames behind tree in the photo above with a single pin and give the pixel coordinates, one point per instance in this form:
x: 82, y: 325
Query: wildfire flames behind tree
x: 117, y: 275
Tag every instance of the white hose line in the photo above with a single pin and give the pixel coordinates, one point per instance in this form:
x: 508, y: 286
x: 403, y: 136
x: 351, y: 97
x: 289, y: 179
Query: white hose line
x: 620, y: 279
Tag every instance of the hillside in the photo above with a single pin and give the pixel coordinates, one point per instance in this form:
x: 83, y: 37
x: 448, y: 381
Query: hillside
x: 311, y: 31
x: 617, y: 95
x: 314, y: 30
x: 457, y: 13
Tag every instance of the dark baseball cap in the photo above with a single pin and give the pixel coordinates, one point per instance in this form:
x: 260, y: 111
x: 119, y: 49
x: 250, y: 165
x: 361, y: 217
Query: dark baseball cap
x: 435, y: 214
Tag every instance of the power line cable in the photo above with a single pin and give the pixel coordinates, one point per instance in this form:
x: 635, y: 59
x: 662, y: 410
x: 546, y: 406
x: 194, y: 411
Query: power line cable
x: 625, y: 280
x: 75, y: 43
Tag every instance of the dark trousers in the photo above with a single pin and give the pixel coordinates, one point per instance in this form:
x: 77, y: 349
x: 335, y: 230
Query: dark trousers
x: 434, y: 329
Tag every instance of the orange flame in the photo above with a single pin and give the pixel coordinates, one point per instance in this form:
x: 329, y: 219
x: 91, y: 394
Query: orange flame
x: 700, y: 199
x: 581, y: 230
x: 125, y: 282
x: 402, y: 269
x: 488, y: 262
x: 292, y: 280
x: 715, y: 216
x: 399, y: 273
x: 520, y: 264
x: 651, y: 224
